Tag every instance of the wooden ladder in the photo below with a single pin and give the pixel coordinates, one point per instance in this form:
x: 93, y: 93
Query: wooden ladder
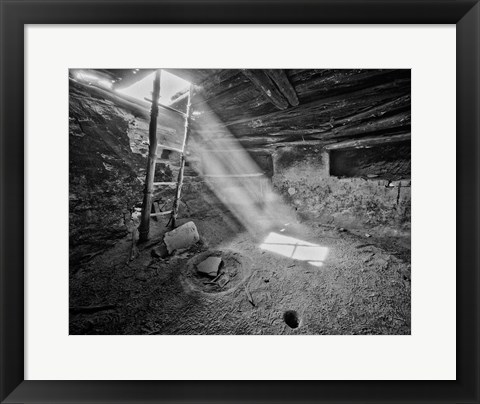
x: 144, y: 228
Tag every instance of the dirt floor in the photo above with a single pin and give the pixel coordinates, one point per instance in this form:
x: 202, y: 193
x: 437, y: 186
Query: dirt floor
x: 361, y: 286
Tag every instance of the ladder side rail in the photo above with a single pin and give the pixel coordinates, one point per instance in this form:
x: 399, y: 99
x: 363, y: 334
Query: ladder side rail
x: 144, y: 228
x: 176, y: 203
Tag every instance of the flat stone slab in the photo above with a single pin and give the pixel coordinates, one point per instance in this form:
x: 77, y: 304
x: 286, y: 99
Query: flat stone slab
x: 209, y: 266
x: 182, y: 237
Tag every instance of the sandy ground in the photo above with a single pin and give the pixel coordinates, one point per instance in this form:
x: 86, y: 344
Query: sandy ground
x: 361, y: 285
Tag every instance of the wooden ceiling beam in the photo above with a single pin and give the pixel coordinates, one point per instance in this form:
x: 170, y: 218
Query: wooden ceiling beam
x: 280, y: 78
x: 264, y: 83
x: 331, y: 114
x: 367, y: 142
x: 240, y: 102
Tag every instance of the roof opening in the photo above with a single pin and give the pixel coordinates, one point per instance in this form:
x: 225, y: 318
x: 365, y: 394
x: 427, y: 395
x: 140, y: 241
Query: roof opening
x: 170, y: 87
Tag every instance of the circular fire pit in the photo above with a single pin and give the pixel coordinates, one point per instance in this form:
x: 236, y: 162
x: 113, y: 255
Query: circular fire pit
x: 233, y: 269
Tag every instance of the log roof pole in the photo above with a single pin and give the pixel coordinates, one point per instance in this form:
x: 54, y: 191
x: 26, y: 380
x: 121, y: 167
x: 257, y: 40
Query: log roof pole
x: 144, y: 228
x: 267, y: 87
x: 280, y: 78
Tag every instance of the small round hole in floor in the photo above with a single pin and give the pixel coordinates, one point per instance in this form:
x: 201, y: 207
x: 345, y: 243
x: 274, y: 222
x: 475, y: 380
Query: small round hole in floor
x: 291, y: 318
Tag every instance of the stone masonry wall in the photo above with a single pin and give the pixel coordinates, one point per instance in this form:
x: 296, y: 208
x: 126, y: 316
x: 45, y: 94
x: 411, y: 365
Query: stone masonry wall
x: 301, y: 176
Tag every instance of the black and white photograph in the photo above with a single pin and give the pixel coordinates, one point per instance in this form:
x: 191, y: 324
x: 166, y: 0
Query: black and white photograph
x: 239, y: 201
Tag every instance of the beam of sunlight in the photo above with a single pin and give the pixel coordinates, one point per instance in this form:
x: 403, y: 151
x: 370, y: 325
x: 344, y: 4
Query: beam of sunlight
x: 236, y: 181
x: 296, y: 249
x: 232, y: 175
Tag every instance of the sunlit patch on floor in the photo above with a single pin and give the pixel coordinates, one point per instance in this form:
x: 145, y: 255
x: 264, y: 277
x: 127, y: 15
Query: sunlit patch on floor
x: 295, y: 248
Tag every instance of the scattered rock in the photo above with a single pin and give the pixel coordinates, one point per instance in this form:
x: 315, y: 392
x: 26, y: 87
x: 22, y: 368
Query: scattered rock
x: 341, y: 229
x: 368, y: 235
x: 209, y: 266
x: 182, y: 237
x: 292, y: 191
x: 160, y: 251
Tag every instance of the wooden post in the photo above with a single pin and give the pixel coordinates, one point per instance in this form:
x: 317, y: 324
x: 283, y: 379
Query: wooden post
x: 144, y: 228
x: 176, y: 202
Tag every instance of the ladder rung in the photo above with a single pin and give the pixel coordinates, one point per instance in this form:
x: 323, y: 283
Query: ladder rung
x: 233, y: 175
x: 161, y: 213
x: 158, y: 184
x: 168, y: 108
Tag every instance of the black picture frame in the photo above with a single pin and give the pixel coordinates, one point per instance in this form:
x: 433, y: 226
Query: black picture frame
x: 15, y: 14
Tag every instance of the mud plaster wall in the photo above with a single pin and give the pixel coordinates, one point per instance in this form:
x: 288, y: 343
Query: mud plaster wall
x: 301, y: 176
